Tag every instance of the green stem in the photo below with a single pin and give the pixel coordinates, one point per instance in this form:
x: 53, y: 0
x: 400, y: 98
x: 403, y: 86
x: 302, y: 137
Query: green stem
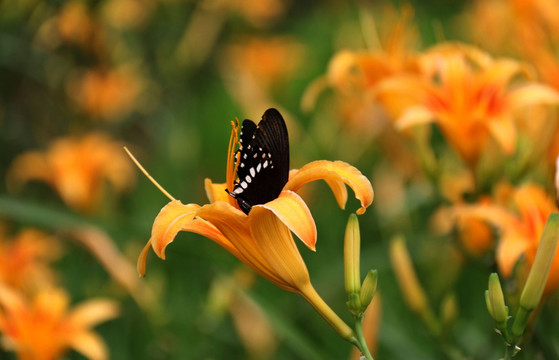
x: 310, y: 294
x: 361, y: 343
x: 509, y: 352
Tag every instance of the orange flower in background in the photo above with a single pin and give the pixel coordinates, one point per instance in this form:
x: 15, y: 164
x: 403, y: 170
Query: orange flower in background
x: 520, y: 218
x: 468, y: 95
x: 45, y: 329
x: 127, y: 14
x: 262, y: 239
x: 75, y: 23
x: 265, y: 61
x: 77, y: 168
x: 24, y: 259
x: 109, y: 94
x: 355, y: 74
x: 259, y: 13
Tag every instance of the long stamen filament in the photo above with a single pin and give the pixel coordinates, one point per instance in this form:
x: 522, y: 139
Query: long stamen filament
x: 148, y: 175
x: 231, y: 161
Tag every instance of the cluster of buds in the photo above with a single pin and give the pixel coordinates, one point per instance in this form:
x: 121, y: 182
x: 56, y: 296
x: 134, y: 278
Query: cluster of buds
x: 531, y: 293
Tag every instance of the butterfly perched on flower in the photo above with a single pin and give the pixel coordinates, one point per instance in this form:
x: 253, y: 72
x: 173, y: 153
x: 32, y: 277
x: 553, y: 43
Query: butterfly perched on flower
x: 263, y: 161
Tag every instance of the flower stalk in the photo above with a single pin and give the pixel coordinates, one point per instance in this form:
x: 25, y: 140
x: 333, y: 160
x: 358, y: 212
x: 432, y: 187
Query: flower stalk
x: 359, y: 296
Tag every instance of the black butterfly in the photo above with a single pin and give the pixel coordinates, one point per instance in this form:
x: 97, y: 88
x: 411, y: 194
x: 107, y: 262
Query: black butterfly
x: 263, y: 159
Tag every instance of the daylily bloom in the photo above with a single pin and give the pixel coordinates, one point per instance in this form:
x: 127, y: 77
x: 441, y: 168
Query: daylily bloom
x: 263, y: 61
x: 45, y: 329
x: 262, y: 239
x: 355, y: 74
x: 24, y: 259
x: 108, y: 94
x: 520, y: 221
x: 77, y: 168
x: 468, y: 95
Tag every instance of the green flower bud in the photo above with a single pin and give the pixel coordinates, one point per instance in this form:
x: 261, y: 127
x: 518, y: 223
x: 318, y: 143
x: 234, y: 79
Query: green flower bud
x: 369, y: 288
x: 497, y: 299
x: 352, y: 248
x: 449, y: 310
x: 535, y: 284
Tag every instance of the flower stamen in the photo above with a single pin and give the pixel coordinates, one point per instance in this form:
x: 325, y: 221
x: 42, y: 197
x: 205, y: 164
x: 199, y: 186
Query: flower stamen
x: 232, y: 162
x: 148, y: 175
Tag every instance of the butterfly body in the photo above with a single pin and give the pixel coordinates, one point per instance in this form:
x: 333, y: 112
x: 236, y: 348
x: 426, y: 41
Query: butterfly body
x: 263, y: 161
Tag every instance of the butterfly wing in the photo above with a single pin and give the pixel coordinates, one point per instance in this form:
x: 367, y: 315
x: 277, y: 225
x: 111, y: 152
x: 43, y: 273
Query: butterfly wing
x: 264, y: 161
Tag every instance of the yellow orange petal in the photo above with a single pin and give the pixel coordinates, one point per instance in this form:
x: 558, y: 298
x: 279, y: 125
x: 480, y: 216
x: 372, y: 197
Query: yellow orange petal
x: 93, y: 312
x: 275, y: 243
x: 504, y: 131
x: 233, y: 224
x: 10, y: 300
x: 90, y: 345
x: 532, y: 94
x: 501, y: 71
x: 141, y: 264
x: 339, y: 190
x: 170, y: 220
x: 334, y: 171
x: 413, y: 116
x: 205, y: 228
x: 294, y: 213
x: 494, y: 215
x: 217, y: 192
x: 28, y: 166
x: 509, y: 250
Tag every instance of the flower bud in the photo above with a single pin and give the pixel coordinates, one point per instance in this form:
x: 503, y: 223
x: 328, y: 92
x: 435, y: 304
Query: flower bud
x: 352, y: 247
x: 369, y: 288
x: 413, y: 292
x: 498, y: 310
x: 535, y: 284
x: 537, y: 278
x: 449, y: 310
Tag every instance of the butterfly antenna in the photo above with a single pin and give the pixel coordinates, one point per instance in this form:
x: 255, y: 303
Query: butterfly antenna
x: 148, y: 175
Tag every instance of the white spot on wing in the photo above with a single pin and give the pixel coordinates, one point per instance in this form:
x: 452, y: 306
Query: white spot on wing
x: 244, y: 185
x: 252, y: 172
x: 248, y: 179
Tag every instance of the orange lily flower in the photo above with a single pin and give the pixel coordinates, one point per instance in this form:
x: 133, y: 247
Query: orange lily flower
x: 262, y: 239
x: 355, y: 74
x: 520, y: 220
x: 77, y: 168
x: 24, y: 259
x: 108, y: 94
x: 468, y: 95
x: 44, y: 329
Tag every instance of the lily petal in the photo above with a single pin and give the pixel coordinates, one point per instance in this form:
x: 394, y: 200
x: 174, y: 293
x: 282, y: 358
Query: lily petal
x: 494, y: 215
x: 10, y: 300
x: 233, y: 224
x: 504, y: 131
x: 217, y: 192
x: 334, y: 171
x: 294, y: 213
x: 175, y: 217
x: 509, y: 250
x: 142, y: 259
x: 90, y: 345
x: 276, y: 244
x: 413, y: 116
x: 532, y: 94
x: 93, y: 312
x: 170, y: 220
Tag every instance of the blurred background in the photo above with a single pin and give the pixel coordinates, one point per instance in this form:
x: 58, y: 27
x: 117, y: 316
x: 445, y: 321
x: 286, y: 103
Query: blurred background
x: 81, y: 79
